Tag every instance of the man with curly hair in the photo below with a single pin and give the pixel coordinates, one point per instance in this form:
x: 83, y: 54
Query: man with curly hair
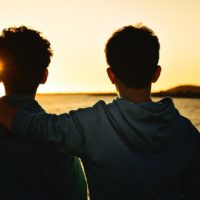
x: 30, y: 170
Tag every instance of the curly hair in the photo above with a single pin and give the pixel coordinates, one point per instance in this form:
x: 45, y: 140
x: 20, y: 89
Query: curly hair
x: 25, y: 55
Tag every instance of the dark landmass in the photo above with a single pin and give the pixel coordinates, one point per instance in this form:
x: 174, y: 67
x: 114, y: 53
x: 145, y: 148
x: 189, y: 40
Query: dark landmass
x: 183, y: 91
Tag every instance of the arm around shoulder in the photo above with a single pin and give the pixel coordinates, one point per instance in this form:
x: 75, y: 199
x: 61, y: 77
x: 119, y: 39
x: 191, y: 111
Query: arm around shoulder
x: 61, y: 131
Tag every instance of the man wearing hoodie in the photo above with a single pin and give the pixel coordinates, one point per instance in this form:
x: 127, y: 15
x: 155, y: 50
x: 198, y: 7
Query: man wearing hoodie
x: 30, y: 170
x: 132, y: 148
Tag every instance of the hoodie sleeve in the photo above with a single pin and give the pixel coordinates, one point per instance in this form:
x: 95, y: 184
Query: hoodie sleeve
x: 72, y: 133
x: 63, y: 131
x: 191, y: 180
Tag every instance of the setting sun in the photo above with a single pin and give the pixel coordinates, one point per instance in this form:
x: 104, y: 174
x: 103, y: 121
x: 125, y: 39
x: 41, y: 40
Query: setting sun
x: 73, y: 126
x: 78, y: 31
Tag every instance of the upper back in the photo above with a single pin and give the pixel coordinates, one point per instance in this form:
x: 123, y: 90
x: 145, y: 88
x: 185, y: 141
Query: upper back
x: 140, y: 152
x: 32, y: 170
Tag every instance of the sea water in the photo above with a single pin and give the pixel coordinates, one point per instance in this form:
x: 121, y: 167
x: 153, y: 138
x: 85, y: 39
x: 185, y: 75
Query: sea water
x: 60, y: 103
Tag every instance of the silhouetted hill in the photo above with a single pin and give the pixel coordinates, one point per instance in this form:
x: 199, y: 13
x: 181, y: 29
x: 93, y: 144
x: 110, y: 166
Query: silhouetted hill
x: 183, y: 91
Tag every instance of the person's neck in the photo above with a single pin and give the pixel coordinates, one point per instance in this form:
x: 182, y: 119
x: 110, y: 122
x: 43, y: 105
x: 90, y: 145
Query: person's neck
x: 10, y: 93
x: 135, y: 95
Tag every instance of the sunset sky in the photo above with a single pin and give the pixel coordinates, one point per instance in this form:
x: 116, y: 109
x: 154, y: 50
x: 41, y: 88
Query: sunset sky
x: 79, y: 29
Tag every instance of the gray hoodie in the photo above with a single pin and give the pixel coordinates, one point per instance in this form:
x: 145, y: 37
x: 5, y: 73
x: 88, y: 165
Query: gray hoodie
x: 130, y: 151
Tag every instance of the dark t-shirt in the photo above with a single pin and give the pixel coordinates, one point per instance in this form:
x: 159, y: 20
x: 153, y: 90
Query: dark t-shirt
x: 31, y: 170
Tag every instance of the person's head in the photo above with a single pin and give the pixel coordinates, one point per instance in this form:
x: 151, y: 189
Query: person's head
x: 132, y: 54
x: 24, y: 56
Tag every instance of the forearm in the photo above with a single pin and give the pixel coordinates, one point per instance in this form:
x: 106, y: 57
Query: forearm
x: 30, y: 126
x: 58, y: 130
x: 63, y: 131
x: 25, y: 123
x: 7, y: 114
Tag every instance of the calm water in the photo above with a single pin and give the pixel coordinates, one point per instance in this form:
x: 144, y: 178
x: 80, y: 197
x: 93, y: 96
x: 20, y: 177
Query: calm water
x: 64, y: 103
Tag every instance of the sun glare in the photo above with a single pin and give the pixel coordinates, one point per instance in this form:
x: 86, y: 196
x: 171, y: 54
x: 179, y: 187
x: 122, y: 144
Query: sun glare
x: 1, y: 67
x: 79, y: 62
x: 1, y: 86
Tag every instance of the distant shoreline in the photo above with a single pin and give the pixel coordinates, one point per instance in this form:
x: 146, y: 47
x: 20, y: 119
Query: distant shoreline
x: 81, y: 93
x: 177, y: 95
x: 183, y: 91
x: 158, y: 94
x: 161, y: 94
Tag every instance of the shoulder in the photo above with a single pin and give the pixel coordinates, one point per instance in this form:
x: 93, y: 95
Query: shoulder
x: 89, y: 116
x: 188, y: 123
x: 97, y: 108
x: 190, y: 130
x: 34, y: 107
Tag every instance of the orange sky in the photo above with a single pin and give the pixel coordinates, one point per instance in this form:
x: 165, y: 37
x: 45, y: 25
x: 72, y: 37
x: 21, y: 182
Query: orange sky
x: 79, y: 29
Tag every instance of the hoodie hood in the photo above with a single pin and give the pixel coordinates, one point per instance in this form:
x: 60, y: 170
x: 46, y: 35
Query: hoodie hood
x: 147, y: 126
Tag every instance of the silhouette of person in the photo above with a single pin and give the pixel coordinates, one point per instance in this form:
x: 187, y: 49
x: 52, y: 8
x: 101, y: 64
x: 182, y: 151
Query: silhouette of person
x: 132, y: 148
x: 31, y: 170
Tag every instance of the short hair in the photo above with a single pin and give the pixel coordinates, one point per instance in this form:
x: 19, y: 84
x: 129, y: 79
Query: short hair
x: 25, y: 55
x: 133, y: 53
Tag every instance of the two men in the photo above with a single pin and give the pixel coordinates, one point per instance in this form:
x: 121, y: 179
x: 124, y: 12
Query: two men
x: 132, y: 148
x: 31, y: 170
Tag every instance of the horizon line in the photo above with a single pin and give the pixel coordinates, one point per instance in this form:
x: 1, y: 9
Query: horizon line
x: 108, y: 92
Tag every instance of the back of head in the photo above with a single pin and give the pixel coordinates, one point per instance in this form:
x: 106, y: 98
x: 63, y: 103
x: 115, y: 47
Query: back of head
x: 133, y: 53
x: 24, y: 56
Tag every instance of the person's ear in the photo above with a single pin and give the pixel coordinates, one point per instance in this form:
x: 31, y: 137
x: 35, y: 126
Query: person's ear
x: 156, y: 74
x: 44, y: 77
x: 111, y: 75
